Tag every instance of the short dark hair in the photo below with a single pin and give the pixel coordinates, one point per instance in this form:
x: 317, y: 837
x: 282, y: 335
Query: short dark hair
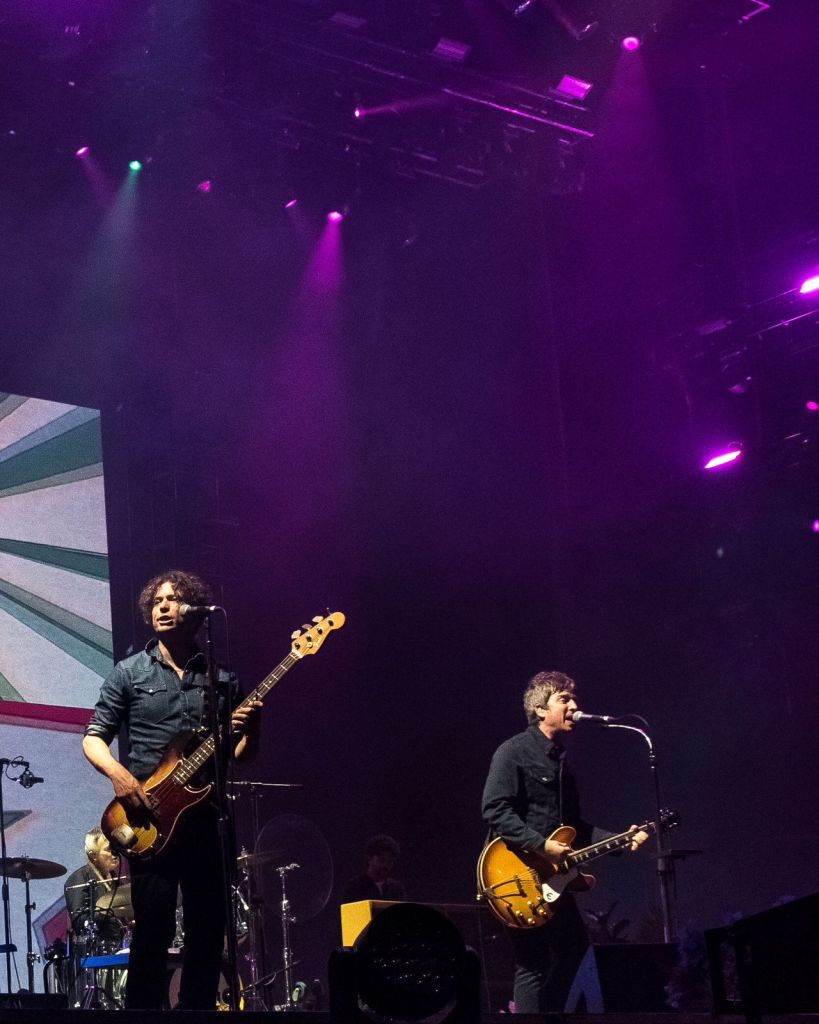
x: 541, y: 687
x: 187, y: 586
x: 382, y: 844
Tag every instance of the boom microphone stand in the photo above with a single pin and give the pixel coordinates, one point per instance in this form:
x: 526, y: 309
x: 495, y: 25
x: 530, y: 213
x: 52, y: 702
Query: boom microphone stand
x: 7, y: 946
x: 665, y: 857
x: 26, y: 780
x: 220, y: 730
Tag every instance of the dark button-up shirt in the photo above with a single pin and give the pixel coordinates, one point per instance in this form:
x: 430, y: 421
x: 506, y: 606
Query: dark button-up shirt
x: 78, y: 901
x: 144, y: 694
x: 362, y: 887
x: 530, y: 791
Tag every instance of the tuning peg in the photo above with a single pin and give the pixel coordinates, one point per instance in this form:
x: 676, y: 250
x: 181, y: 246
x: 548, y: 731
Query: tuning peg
x: 295, y: 634
x: 317, y: 618
x: 306, y: 625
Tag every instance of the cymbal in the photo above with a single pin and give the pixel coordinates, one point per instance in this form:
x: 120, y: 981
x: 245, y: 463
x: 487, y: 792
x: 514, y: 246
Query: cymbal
x: 20, y: 867
x: 117, y: 902
x: 253, y: 858
x: 258, y: 858
x: 96, y: 881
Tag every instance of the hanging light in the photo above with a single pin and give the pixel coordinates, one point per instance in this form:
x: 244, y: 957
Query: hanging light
x: 517, y: 7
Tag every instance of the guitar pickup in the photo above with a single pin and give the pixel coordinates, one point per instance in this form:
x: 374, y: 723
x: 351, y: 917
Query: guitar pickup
x: 124, y: 837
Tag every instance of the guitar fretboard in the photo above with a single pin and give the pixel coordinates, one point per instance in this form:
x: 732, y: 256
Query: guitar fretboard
x: 610, y: 845
x: 189, y: 766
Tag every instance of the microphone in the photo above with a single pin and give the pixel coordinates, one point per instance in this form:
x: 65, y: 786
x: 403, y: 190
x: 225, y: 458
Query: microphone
x: 197, y: 611
x: 581, y: 716
x: 27, y: 780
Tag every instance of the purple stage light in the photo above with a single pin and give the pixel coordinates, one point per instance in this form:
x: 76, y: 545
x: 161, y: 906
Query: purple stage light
x: 812, y: 406
x: 452, y: 50
x: 205, y: 186
x: 82, y: 151
x: 573, y: 88
x: 810, y: 284
x: 631, y: 43
x: 358, y: 113
x: 723, y: 459
x: 291, y: 203
x: 335, y: 216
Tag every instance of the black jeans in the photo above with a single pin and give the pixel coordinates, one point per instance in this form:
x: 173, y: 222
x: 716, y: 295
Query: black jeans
x: 547, y: 958
x: 193, y: 863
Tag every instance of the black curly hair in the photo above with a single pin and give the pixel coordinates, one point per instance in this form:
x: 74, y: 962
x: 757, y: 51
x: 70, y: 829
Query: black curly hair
x: 188, y: 587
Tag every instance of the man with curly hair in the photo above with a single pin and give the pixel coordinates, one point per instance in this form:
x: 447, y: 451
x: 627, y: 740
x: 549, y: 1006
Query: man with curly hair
x: 153, y: 695
x: 530, y: 791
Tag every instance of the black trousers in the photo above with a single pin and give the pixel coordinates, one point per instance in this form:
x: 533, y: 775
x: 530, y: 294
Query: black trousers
x: 193, y: 863
x: 547, y: 958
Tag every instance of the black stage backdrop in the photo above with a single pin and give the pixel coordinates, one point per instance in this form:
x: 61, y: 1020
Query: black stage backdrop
x: 462, y: 429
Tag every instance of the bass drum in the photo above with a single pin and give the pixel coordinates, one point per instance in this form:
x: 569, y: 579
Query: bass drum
x: 222, y: 999
x: 110, y: 982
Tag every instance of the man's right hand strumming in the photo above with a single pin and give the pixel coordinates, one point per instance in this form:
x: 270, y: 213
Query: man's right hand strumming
x: 129, y: 790
x: 126, y: 787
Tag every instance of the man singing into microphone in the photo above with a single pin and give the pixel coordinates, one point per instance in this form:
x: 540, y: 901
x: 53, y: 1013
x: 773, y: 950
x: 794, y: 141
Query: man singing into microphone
x: 529, y: 792
x: 155, y: 694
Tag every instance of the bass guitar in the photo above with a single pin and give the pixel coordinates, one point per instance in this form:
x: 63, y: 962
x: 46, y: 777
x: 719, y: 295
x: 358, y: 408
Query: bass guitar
x: 522, y: 886
x: 142, y: 833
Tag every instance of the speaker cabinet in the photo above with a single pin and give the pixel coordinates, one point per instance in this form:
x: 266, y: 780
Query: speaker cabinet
x: 768, y: 962
x: 623, y: 977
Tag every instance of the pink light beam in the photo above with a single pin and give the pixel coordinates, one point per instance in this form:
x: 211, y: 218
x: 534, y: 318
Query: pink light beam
x: 724, y: 459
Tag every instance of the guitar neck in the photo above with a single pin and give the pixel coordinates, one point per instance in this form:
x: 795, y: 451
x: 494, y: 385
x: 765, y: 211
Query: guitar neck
x: 610, y: 845
x: 190, y: 765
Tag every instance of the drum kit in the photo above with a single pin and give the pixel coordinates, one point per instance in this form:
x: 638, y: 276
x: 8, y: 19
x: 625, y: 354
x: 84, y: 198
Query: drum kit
x: 271, y: 893
x: 105, y: 935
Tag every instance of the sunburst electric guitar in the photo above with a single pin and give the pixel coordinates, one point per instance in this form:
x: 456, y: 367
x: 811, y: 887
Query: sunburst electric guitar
x: 522, y: 887
x: 141, y: 833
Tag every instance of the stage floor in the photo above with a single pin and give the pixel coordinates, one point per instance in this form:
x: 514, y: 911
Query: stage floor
x: 35, y: 1016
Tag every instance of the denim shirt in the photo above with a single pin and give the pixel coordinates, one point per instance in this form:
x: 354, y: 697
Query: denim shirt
x: 144, y: 694
x: 530, y: 791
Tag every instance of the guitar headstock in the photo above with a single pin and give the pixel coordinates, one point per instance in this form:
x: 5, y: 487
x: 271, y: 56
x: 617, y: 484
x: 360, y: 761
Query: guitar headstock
x: 314, y: 634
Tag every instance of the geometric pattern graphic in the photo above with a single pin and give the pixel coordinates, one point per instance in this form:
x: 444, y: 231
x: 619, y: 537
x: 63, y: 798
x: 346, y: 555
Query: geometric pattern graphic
x: 55, y: 641
x: 55, y: 611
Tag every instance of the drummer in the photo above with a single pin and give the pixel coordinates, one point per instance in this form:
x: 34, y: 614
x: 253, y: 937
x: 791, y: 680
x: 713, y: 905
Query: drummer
x: 102, y: 869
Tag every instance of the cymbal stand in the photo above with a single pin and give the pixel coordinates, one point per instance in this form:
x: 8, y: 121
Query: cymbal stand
x: 256, y: 956
x: 253, y: 905
x: 91, y: 998
x: 31, y: 956
x: 287, y: 953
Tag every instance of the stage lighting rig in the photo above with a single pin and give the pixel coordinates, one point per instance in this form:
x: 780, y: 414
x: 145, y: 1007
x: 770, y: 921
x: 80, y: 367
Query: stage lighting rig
x: 517, y: 7
x: 577, y: 29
